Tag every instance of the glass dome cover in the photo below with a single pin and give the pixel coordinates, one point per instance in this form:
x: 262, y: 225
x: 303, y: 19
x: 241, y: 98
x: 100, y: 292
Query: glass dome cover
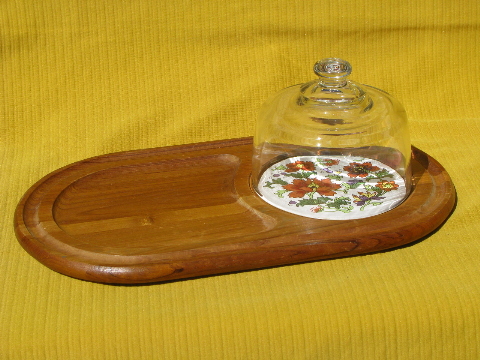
x: 332, y: 148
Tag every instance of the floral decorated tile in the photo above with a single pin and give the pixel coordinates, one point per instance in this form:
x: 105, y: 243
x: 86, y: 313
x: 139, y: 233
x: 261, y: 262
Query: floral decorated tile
x: 333, y: 187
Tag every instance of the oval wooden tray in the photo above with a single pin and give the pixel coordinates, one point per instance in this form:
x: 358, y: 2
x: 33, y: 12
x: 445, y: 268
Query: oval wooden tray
x: 186, y: 211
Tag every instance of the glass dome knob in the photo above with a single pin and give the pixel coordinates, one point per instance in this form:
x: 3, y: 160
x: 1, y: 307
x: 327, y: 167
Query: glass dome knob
x: 332, y: 68
x: 333, y: 71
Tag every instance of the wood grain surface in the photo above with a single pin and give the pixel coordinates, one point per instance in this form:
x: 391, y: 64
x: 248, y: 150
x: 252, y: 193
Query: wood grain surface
x: 187, y: 211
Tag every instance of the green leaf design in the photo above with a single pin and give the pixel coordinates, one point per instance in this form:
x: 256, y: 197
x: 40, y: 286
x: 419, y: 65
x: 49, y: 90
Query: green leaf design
x: 378, y: 190
x: 356, y: 185
x: 346, y: 209
x: 301, y: 174
x: 337, y: 203
x: 334, y: 177
x: 269, y: 184
x: 317, y: 201
x: 383, y: 173
x: 280, y: 193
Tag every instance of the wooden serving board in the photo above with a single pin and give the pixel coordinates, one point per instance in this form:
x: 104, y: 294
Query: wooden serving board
x: 186, y: 211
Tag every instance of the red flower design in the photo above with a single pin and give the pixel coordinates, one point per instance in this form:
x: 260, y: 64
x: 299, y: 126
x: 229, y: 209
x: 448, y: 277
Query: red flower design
x: 387, y: 185
x: 301, y: 187
x: 300, y: 165
x: 360, y: 170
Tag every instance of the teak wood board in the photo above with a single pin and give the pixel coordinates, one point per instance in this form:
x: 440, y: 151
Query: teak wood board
x: 187, y: 211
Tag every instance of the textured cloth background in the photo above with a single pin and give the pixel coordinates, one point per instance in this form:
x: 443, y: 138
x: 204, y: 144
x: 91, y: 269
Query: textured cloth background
x: 84, y: 78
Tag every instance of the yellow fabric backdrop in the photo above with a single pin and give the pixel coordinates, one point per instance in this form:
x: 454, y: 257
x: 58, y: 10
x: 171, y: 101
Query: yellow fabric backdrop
x: 84, y: 78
